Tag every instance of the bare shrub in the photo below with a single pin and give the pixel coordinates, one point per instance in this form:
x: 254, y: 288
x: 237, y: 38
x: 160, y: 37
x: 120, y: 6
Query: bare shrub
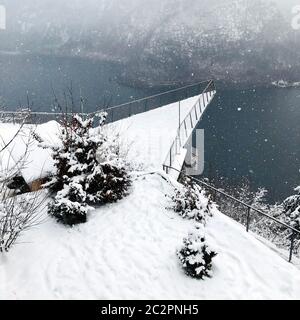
x: 17, y: 213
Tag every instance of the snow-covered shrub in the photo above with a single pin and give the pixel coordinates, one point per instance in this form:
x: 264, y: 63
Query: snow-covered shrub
x: 69, y: 206
x: 191, y: 202
x: 291, y: 210
x: 89, y: 171
x: 196, y: 256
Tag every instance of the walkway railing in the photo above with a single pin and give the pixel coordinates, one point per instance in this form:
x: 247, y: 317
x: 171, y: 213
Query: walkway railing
x: 131, y: 108
x: 121, y: 111
x: 249, y: 209
x: 189, y: 123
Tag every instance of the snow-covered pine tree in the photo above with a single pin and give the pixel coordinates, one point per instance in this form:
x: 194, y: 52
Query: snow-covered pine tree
x: 291, y: 209
x: 196, y: 256
x: 191, y: 201
x: 88, y: 171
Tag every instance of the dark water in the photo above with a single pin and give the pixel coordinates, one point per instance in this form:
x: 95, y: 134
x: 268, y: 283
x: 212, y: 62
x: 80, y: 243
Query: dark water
x: 255, y: 134
x: 38, y: 76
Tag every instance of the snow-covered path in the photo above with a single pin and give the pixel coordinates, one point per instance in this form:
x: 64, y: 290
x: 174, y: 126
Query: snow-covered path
x: 127, y: 251
x: 149, y: 135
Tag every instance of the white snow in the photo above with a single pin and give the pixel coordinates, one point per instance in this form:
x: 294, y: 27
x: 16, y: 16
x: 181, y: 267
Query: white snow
x: 127, y: 250
x: 150, y: 135
x: 37, y: 160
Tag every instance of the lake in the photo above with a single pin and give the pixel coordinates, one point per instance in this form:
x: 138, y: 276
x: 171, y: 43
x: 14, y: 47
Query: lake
x: 255, y: 134
x: 42, y: 77
x: 252, y: 133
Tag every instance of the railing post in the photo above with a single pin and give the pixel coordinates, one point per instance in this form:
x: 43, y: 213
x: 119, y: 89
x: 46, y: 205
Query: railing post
x: 214, y: 195
x: 196, y: 113
x: 185, y: 128
x: 248, y: 219
x: 130, y: 111
x: 179, y: 113
x: 292, y: 246
x: 192, y: 125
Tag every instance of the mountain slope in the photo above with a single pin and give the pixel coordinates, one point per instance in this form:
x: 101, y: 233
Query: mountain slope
x: 128, y: 251
x: 233, y: 40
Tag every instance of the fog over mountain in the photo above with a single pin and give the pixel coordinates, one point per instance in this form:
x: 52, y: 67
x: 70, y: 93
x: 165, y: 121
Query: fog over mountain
x: 163, y: 40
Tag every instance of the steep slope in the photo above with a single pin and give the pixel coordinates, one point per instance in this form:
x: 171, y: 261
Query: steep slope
x: 128, y: 251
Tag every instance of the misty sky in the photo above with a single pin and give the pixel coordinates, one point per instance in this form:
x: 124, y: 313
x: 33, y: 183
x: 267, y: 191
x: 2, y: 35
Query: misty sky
x: 90, y: 11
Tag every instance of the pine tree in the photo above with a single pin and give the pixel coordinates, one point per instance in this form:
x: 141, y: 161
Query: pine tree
x: 191, y: 202
x: 89, y: 171
x: 196, y: 256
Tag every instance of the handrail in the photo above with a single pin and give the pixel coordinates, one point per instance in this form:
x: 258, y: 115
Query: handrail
x: 152, y: 96
x: 204, y: 97
x: 294, y: 231
x: 204, y: 91
x: 130, y: 104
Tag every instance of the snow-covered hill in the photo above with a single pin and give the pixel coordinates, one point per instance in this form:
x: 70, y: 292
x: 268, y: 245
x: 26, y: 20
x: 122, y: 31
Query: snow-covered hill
x: 127, y: 250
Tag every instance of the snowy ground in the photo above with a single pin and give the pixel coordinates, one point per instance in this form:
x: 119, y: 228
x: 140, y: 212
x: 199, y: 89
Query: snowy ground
x: 150, y: 135
x: 127, y: 250
x: 37, y: 161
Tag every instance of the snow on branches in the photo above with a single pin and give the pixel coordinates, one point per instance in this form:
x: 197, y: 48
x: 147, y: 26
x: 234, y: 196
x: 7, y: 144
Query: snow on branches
x: 89, y: 170
x: 291, y: 209
x: 196, y: 256
x: 191, y: 202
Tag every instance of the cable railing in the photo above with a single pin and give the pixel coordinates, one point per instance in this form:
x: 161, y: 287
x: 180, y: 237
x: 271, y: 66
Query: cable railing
x: 118, y: 112
x: 249, y: 209
x: 189, y: 123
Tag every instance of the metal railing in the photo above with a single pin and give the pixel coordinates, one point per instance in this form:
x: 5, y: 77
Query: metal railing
x: 189, y: 123
x: 131, y: 108
x: 121, y: 111
x: 249, y: 208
